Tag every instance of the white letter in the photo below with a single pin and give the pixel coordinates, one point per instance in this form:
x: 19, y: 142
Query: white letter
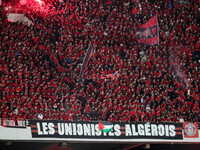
x: 135, y: 133
x: 79, y: 129
x: 61, y: 130
x: 44, y: 126
x: 92, y: 128
x: 147, y: 129
x: 172, y: 130
x: 117, y: 130
x: 128, y: 130
x: 105, y: 133
x: 51, y: 128
x: 161, y: 130
x: 39, y: 130
x: 74, y: 128
x: 68, y: 129
x: 86, y: 128
x: 111, y: 133
x: 140, y: 129
x: 167, y: 130
x: 154, y: 130
x: 98, y: 133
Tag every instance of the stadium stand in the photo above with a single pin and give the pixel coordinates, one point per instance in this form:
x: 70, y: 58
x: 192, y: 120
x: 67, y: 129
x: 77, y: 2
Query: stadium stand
x: 40, y: 63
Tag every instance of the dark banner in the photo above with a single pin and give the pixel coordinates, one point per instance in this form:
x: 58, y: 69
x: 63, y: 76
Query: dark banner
x: 90, y: 130
x: 88, y: 55
x: 148, y: 33
x: 13, y: 123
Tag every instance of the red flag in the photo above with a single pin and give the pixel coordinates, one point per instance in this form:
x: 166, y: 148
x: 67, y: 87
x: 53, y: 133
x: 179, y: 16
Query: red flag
x: 148, y: 33
x: 112, y: 76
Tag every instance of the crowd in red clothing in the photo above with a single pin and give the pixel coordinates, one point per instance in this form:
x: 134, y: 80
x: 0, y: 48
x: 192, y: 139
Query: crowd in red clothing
x: 40, y: 64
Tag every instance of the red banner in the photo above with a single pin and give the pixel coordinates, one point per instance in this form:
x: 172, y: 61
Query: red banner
x: 148, y: 32
x: 14, y: 123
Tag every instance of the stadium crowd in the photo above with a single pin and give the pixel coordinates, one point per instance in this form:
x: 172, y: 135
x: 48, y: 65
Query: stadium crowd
x: 40, y: 64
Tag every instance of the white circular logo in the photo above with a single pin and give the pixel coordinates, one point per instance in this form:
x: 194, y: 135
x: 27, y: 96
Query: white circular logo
x: 190, y: 129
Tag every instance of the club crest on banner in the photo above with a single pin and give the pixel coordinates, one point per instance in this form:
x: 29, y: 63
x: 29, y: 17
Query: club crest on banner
x: 190, y: 130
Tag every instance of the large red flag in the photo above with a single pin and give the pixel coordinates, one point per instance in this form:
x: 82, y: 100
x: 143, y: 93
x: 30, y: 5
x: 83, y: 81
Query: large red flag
x: 148, y: 33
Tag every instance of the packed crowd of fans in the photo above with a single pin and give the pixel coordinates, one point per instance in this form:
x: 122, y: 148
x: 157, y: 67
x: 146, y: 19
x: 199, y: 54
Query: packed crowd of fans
x: 40, y: 64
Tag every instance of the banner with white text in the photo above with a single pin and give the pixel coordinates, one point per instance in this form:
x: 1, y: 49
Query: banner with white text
x: 90, y: 130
